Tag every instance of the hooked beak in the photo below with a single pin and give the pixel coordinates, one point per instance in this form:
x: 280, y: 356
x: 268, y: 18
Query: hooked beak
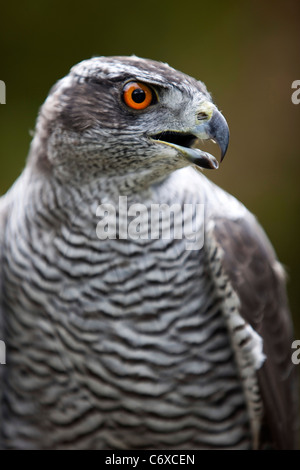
x: 212, y: 125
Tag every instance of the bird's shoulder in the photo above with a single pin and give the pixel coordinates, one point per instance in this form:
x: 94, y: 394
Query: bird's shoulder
x: 259, y: 280
x: 250, y: 264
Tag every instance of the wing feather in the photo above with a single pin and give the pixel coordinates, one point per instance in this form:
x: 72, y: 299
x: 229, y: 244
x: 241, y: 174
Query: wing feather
x: 258, y: 279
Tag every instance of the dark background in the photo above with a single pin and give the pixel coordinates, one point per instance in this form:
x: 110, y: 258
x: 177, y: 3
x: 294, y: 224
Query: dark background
x: 247, y: 53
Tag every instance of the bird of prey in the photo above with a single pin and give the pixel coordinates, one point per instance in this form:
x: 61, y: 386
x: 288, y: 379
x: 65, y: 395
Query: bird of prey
x: 137, y: 342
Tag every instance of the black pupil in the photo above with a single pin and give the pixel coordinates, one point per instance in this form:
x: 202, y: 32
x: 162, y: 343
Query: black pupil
x: 138, y: 95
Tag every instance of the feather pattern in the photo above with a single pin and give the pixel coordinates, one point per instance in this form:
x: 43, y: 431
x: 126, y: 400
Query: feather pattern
x: 136, y: 342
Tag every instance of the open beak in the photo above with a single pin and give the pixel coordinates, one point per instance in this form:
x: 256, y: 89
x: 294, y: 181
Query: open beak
x: 212, y: 125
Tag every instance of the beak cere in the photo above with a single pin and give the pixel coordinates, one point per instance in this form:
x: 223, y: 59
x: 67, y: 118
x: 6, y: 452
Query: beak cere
x: 214, y: 128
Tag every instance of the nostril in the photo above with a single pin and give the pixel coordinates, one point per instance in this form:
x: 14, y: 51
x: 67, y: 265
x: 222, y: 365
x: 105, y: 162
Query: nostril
x: 202, y: 116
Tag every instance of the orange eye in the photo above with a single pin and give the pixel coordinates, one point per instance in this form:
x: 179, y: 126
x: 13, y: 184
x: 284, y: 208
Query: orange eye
x: 137, y: 95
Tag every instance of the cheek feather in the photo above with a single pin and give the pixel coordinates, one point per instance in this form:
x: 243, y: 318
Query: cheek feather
x: 87, y: 105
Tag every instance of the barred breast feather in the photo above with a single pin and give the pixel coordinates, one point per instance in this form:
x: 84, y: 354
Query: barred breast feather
x: 114, y: 343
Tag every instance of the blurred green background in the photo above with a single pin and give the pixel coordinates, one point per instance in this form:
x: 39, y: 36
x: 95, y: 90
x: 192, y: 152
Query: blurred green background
x: 247, y: 53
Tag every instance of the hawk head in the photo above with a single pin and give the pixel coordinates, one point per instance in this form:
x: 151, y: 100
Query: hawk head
x: 125, y: 115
